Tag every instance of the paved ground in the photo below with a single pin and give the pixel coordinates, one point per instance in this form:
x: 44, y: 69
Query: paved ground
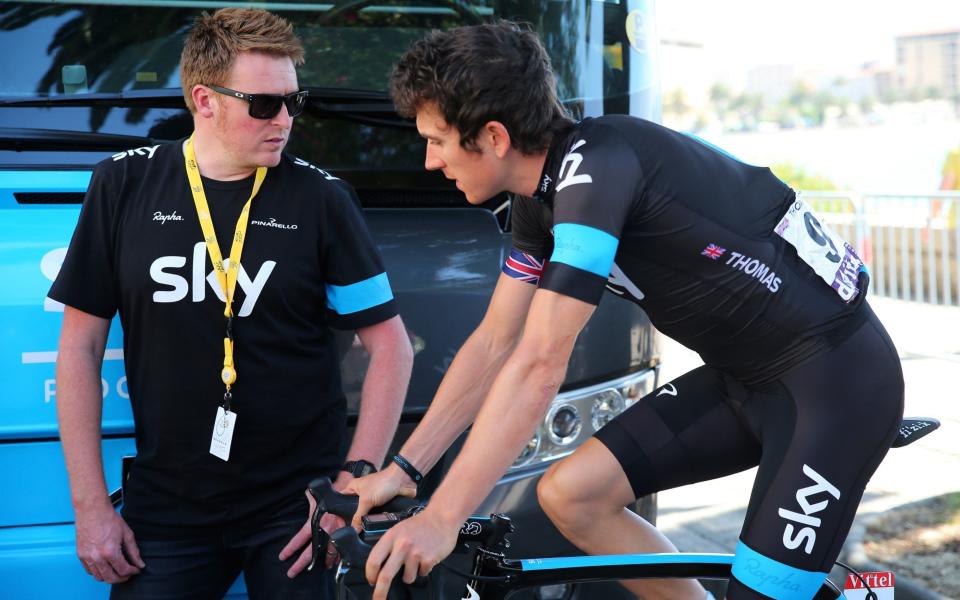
x: 706, y: 517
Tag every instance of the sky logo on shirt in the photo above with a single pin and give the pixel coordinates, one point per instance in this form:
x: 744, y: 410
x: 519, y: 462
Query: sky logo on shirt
x: 164, y: 271
x: 142, y: 151
x: 545, y: 184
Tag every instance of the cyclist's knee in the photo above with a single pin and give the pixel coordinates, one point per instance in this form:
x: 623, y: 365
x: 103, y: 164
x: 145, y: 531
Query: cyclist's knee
x: 558, y: 495
x: 579, y: 485
x: 550, y: 488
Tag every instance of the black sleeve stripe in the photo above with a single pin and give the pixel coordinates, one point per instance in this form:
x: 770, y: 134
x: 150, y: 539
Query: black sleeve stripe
x: 574, y: 282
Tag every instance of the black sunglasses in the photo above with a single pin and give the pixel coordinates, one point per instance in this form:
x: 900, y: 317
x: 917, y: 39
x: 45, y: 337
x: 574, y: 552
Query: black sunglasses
x: 267, y: 106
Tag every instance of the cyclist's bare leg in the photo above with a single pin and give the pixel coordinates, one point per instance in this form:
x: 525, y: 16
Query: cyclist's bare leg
x: 585, y: 495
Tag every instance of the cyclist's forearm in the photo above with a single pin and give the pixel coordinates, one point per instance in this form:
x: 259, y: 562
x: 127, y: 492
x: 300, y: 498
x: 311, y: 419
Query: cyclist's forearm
x: 504, y: 425
x: 458, y: 399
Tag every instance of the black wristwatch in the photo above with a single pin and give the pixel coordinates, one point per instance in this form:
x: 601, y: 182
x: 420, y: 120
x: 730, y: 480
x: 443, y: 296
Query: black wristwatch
x: 359, y: 468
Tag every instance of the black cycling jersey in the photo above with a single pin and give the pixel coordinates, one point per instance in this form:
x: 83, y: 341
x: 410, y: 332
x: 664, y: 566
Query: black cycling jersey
x: 699, y: 239
x: 726, y: 259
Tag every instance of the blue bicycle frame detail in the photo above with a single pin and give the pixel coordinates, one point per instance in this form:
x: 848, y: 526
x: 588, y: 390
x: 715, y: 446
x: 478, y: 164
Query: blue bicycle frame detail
x: 616, y: 560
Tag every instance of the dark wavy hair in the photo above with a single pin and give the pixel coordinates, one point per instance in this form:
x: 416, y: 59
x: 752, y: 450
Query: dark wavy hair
x: 492, y: 72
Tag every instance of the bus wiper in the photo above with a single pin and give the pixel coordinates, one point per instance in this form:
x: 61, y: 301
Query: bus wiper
x: 26, y: 138
x: 153, y: 98
x: 365, y: 106
x: 371, y: 107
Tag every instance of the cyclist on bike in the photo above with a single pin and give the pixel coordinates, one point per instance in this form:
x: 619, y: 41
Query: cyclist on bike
x: 800, y: 376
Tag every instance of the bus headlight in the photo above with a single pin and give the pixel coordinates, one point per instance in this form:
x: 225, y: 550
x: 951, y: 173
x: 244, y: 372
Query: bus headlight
x: 564, y: 424
x: 529, y: 451
x: 575, y: 415
x: 607, y: 405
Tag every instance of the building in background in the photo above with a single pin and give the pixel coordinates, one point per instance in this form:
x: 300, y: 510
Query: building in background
x: 772, y: 82
x: 928, y: 64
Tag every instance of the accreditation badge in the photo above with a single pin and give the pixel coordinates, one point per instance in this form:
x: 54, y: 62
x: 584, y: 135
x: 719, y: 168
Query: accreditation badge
x: 223, y: 433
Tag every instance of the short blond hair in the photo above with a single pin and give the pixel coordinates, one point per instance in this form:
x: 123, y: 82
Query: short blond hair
x: 216, y: 40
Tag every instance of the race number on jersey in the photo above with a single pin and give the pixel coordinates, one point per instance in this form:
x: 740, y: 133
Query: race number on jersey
x: 833, y: 259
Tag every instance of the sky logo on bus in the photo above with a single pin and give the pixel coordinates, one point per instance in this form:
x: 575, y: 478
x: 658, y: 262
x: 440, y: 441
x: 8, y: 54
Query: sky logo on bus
x: 792, y: 539
x: 881, y: 582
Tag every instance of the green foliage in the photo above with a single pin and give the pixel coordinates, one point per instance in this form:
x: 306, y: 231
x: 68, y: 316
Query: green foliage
x: 952, y: 502
x: 675, y: 102
x: 720, y: 93
x: 798, y: 178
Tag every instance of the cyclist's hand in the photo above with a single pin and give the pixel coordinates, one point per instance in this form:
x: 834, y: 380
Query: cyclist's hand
x: 415, y: 545
x: 105, y: 545
x: 328, y: 523
x: 377, y: 489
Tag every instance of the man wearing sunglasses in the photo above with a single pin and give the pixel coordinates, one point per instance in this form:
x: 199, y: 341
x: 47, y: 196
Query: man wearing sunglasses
x: 229, y: 262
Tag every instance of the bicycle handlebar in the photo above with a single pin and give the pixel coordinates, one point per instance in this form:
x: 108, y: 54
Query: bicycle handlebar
x: 331, y: 501
x: 344, y: 506
x: 353, y: 551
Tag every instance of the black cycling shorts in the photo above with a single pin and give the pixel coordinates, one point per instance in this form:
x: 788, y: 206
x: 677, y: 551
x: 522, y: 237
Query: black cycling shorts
x: 818, y: 434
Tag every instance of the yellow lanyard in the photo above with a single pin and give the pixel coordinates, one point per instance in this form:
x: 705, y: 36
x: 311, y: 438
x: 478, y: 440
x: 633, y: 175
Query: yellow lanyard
x: 227, y: 276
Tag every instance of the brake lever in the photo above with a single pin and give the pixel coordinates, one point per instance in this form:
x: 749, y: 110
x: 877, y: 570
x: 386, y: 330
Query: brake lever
x: 319, y: 538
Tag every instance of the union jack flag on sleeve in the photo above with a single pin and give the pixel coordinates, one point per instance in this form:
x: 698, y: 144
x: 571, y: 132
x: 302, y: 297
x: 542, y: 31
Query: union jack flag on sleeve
x: 524, y: 267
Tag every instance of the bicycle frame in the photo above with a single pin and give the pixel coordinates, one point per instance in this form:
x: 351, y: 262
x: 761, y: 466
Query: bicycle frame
x: 495, y: 577
x: 524, y: 573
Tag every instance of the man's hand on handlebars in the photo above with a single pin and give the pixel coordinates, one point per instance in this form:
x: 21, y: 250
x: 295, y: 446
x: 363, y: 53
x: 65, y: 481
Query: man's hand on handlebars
x: 379, y: 488
x: 415, y: 545
x: 329, y: 523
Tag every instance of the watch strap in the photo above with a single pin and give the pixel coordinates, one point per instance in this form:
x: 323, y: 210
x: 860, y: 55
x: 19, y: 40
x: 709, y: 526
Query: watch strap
x: 408, y: 468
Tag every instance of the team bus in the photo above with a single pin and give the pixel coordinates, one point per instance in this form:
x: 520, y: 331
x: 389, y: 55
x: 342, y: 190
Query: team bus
x: 85, y: 80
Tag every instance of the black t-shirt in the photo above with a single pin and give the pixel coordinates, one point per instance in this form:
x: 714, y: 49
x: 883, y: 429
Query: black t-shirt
x: 695, y: 237
x: 308, y: 264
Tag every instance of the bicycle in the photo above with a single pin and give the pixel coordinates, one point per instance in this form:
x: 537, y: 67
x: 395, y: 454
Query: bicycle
x: 493, y: 576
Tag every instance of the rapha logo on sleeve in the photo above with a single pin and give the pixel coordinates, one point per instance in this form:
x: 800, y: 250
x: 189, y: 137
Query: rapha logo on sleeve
x: 881, y: 582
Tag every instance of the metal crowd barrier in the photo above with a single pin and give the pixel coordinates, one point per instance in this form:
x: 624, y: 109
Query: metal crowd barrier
x: 909, y: 241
